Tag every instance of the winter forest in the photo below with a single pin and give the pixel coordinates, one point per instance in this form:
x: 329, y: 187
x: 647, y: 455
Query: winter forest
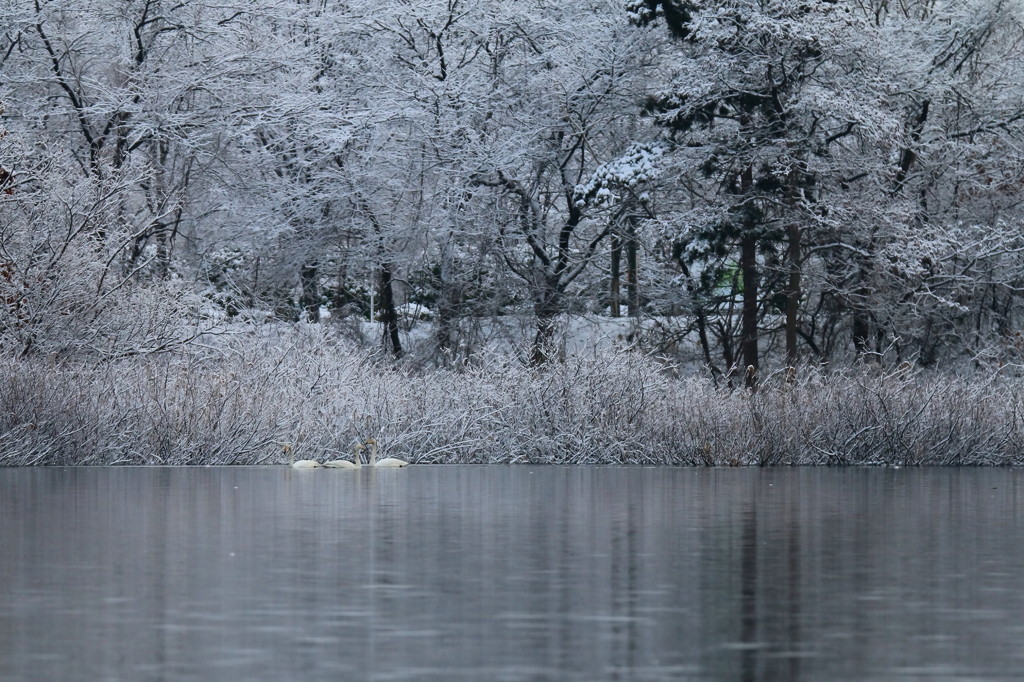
x: 648, y: 231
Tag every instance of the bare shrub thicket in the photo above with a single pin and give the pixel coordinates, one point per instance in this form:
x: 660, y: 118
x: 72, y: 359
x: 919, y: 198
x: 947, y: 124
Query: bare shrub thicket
x: 239, y: 400
x: 78, y: 272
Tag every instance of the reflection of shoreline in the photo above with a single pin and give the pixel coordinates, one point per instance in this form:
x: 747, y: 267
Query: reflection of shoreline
x: 250, y: 573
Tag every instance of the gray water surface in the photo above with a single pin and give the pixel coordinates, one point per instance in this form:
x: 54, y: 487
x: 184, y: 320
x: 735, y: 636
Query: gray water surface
x: 511, y: 573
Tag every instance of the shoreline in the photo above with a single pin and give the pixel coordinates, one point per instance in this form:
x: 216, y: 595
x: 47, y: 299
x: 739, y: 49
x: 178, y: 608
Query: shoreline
x: 241, y: 402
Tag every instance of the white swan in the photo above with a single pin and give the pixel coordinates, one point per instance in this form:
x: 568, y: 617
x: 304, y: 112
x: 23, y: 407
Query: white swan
x: 302, y: 463
x: 387, y: 462
x: 356, y: 463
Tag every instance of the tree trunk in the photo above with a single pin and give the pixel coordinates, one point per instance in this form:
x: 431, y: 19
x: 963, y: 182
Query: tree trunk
x: 698, y: 311
x: 632, y: 279
x: 748, y: 333
x: 793, y: 294
x: 728, y: 355
x: 543, y: 340
x: 616, y: 265
x: 309, y: 302
x: 447, y: 307
x: 546, y: 311
x: 388, y: 313
x: 165, y: 244
x: 861, y: 333
x: 861, y: 317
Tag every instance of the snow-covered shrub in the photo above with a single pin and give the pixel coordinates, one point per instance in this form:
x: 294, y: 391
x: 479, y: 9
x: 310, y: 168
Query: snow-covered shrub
x: 238, y: 399
x: 71, y: 281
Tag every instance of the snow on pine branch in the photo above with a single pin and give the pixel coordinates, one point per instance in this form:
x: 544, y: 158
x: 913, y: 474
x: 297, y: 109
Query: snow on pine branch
x: 625, y: 174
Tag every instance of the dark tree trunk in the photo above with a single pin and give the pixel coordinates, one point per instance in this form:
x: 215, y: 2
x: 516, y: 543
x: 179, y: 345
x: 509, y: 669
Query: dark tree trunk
x: 546, y: 311
x: 165, y: 245
x: 698, y: 311
x: 861, y: 333
x: 616, y: 274
x: 163, y: 251
x: 632, y: 278
x: 388, y: 313
x: 543, y: 341
x: 793, y: 294
x: 749, y: 355
x: 728, y: 354
x: 309, y: 302
x: 748, y: 332
x: 861, y: 323
x: 445, y: 325
x: 448, y: 301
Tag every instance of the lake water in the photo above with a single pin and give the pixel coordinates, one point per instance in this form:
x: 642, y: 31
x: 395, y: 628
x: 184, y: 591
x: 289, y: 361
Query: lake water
x: 510, y: 573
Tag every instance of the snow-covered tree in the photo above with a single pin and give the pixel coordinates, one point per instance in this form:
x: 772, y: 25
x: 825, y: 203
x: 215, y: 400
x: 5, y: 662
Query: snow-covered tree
x: 952, y: 192
x: 766, y: 104
x: 813, y: 142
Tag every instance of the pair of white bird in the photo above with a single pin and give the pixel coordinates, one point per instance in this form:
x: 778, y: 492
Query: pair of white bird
x: 356, y: 463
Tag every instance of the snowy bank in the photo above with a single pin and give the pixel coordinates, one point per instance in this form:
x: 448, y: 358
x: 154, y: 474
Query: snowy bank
x: 238, y: 402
